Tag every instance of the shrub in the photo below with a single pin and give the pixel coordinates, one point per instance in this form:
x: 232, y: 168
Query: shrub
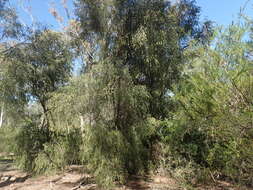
x: 30, y: 141
x: 39, y: 150
x: 212, y: 126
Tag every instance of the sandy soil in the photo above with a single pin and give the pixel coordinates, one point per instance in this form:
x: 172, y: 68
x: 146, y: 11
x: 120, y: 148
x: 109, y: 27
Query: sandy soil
x: 74, y: 179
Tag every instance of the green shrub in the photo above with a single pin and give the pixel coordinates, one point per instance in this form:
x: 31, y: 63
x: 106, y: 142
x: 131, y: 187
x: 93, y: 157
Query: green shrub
x: 212, y: 126
x: 29, y: 142
x: 39, y: 150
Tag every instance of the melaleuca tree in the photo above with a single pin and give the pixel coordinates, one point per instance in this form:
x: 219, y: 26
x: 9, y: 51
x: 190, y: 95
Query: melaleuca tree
x: 148, y: 37
x: 213, y: 125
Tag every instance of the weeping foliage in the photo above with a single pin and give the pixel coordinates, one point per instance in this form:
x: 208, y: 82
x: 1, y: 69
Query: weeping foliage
x: 29, y: 142
x: 32, y: 71
x: 148, y: 36
x: 113, y: 112
x: 157, y: 92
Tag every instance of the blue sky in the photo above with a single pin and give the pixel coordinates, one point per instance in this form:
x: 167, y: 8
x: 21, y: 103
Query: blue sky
x: 222, y: 12
x: 39, y: 9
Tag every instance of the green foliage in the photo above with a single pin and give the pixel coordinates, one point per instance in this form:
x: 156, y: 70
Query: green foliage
x: 212, y: 125
x: 147, y: 36
x: 7, y: 139
x: 12, y: 98
x: 45, y: 60
x: 114, y: 113
x: 128, y: 109
x: 62, y: 151
x: 35, y: 69
x: 30, y: 72
x: 39, y: 150
x: 29, y: 142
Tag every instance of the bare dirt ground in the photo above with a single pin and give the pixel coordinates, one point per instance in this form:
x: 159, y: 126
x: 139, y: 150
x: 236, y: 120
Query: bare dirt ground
x: 74, y: 179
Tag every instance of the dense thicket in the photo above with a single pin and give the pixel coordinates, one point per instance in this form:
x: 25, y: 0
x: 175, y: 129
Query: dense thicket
x: 212, y: 126
x: 158, y: 91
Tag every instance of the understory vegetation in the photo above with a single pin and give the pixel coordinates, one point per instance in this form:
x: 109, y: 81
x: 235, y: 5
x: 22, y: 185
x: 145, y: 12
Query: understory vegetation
x: 157, y: 91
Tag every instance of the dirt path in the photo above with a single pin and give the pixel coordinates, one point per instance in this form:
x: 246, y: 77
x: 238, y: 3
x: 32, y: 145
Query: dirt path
x: 74, y: 179
x: 71, y: 179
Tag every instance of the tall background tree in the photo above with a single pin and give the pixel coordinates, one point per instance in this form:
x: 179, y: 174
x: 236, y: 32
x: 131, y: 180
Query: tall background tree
x: 146, y: 36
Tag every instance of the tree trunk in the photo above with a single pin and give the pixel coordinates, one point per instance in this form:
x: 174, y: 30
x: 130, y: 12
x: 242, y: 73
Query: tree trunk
x: 45, y: 119
x: 1, y: 115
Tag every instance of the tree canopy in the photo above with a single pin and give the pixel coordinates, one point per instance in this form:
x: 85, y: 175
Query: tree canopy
x: 148, y: 37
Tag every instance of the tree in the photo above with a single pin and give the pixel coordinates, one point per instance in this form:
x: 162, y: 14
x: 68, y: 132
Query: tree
x: 40, y: 66
x: 147, y: 36
x: 114, y: 127
x: 1, y: 115
x: 30, y: 72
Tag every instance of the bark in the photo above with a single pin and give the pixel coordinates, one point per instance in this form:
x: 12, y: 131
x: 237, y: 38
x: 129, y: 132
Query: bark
x: 45, y: 117
x: 1, y: 116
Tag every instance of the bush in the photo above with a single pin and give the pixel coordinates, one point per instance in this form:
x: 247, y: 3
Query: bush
x: 60, y: 152
x: 39, y: 150
x: 29, y: 143
x: 212, y: 126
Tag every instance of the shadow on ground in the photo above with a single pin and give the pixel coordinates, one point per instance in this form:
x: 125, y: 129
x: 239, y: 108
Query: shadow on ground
x: 137, y: 182
x: 9, y: 181
x: 6, y: 168
x: 6, y: 164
